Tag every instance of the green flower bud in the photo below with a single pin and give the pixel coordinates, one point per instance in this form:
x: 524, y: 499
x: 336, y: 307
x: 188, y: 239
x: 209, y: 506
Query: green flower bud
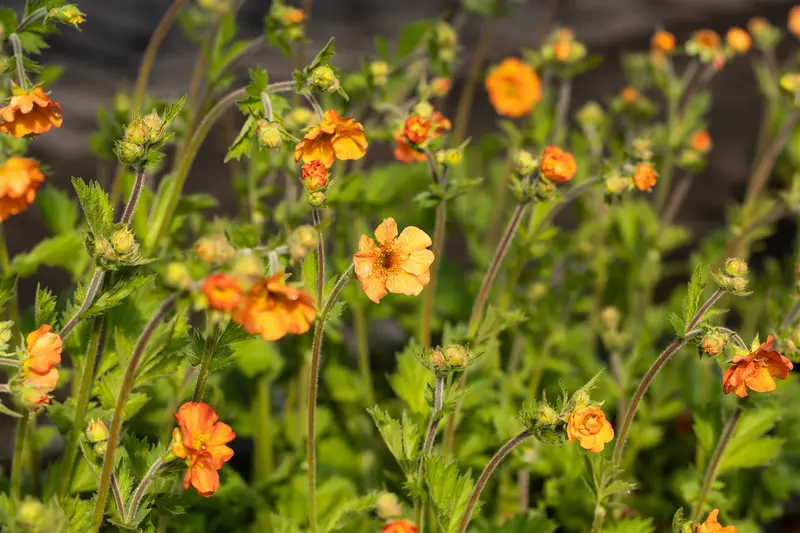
x: 96, y: 431
x: 714, y: 342
x: 129, y: 153
x: 324, y: 78
x: 387, y: 506
x: 269, y: 134
x: 135, y: 132
x: 446, y: 36
x: 610, y: 317
x: 524, y: 162
x: 591, y: 114
x: 100, y: 448
x: 123, y: 241
x: 424, y: 109
x: 177, y: 275
x: 154, y: 127
x: 306, y: 236
x: 457, y: 356
x: 736, y: 266
x: 452, y: 157
x: 316, y: 198
x: 30, y: 513
x: 437, y: 360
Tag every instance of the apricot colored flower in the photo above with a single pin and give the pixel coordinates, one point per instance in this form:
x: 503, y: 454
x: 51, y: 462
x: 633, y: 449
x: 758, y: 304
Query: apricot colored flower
x: 19, y: 179
x: 738, y: 40
x: 644, y: 177
x: 400, y: 265
x: 405, y: 151
x: 590, y: 427
x: 557, y: 165
x: 400, y: 526
x: 514, y: 88
x: 756, y: 371
x: 562, y: 46
x: 272, y: 309
x: 794, y: 21
x: 223, y: 292
x: 629, y: 95
x: 700, y: 141
x: 711, y: 525
x: 336, y: 138
x: 44, y: 353
x: 30, y: 113
x: 201, y: 439
x: 663, y: 41
x: 315, y: 175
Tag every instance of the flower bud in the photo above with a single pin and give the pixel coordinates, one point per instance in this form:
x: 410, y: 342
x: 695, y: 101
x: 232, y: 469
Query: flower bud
x: 629, y: 95
x: 591, y: 114
x: 135, y: 132
x: 438, y: 360
x: 96, y: 431
x: 129, y: 153
x: 446, y: 36
x: 269, y: 134
x: 663, y: 41
x: 293, y: 16
x: 30, y: 513
x: 379, y: 70
x: 790, y: 82
x: 387, y: 506
x: 645, y: 177
x: 5, y: 332
x: 68, y: 14
x: 447, y: 55
x: 247, y: 266
x: 424, y: 109
x: 617, y: 183
x: 609, y: 318
x: 736, y: 266
x: 154, y: 127
x: 176, y: 276
x: 546, y: 415
x: 33, y: 397
x: 738, y: 40
x: 123, y: 241
x: 440, y: 86
x: 456, y: 356
x: 714, y: 342
x: 306, y: 236
x: 452, y: 157
x: 537, y: 290
x: 316, y: 198
x: 324, y: 78
x: 524, y: 163
x: 100, y: 448
x: 739, y: 284
x: 299, y: 117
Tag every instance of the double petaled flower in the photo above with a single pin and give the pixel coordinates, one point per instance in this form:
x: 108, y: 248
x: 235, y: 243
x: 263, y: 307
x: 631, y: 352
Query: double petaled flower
x: 39, y: 372
x: 711, y: 525
x: 514, y: 88
x: 588, y: 424
x: 336, y: 138
x: 416, y: 131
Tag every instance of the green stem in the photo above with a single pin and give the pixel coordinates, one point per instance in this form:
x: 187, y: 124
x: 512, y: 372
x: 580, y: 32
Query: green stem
x: 13, y: 304
x: 764, y: 168
x: 491, y: 466
x: 362, y: 345
x: 141, y: 490
x: 464, y: 109
x: 95, y: 285
x: 667, y: 165
x: 556, y: 135
x: 439, y: 235
x: 116, y: 419
x: 316, y: 218
x: 430, y: 436
x: 136, y: 192
x: 30, y: 19
x: 716, y: 459
x: 19, y: 455
x: 262, y: 437
x: 163, y: 216
x: 82, y: 402
x: 205, y: 365
x: 19, y: 60
x: 148, y: 60
x: 313, y: 385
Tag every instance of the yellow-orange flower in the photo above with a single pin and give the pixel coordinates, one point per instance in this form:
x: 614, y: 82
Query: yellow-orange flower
x: 44, y: 353
x: 223, y: 292
x: 738, y: 40
x: 629, y: 95
x: 400, y: 526
x: 400, y: 265
x: 711, y: 525
x: 201, y: 439
x: 700, y: 141
x: 557, y: 165
x: 336, y: 138
x: 273, y: 310
x: 294, y: 16
x: 404, y: 150
x: 756, y: 371
x: 707, y: 40
x: 794, y: 21
x: 590, y: 427
x: 644, y: 177
x: 514, y: 88
x: 315, y: 175
x: 416, y: 129
x: 19, y: 179
x: 562, y: 46
x: 30, y: 113
x: 663, y: 41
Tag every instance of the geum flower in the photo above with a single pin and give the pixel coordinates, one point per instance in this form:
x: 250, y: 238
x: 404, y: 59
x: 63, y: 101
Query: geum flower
x: 30, y: 113
x: 514, y: 88
x: 223, y: 292
x: 405, y: 150
x: 395, y: 264
x: 201, y: 439
x: 711, y: 525
x: 557, y: 165
x: 272, y: 309
x: 756, y: 371
x: 39, y: 372
x: 19, y: 179
x: 336, y: 138
x: 588, y: 424
x: 400, y: 526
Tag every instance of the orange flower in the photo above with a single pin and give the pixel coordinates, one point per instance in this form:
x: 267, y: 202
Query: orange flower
x: 712, y: 526
x: 514, y: 88
x: 222, y: 291
x: 739, y: 40
x: 756, y: 371
x: 706, y: 39
x: 396, y: 264
x: 590, y: 427
x: 315, y: 175
x: 400, y: 526
x: 19, y: 179
x: 294, y: 16
x: 562, y: 47
x: 644, y: 177
x: 273, y: 310
x: 416, y: 129
x: 663, y: 41
x: 440, y: 86
x: 629, y: 95
x: 405, y: 152
x: 44, y: 353
x: 794, y: 21
x: 336, y: 138
x: 30, y: 113
x: 700, y: 141
x: 557, y: 165
x: 201, y: 439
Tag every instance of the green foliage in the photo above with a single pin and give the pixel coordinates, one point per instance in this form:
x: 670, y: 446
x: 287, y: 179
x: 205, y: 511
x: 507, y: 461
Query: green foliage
x: 59, y: 251
x: 58, y: 209
x: 449, y: 492
x: 402, y: 437
x: 116, y: 293
x: 45, y: 306
x: 96, y: 206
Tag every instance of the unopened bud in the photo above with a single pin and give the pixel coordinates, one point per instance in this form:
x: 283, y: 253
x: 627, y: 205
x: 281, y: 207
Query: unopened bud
x: 387, y: 506
x: 68, y: 14
x: 610, y: 317
x: 176, y: 275
x: 591, y: 114
x: 440, y: 86
x: 617, y: 184
x: 5, y: 332
x: 306, y: 236
x: 123, y: 241
x: 379, y: 70
x: 316, y: 198
x: 299, y: 117
x: 456, y: 356
x: 546, y: 415
x: 154, y: 127
x: 31, y: 513
x: 424, y: 109
x: 247, y: 266
x: 129, y: 153
x: 524, y: 162
x: 544, y: 189
x: 714, y: 343
x: 736, y: 266
x: 446, y: 36
x: 537, y: 290
x: 739, y: 284
x: 437, y: 359
x: 135, y: 132
x: 452, y: 157
x: 100, y: 448
x: 790, y: 82
x: 269, y: 134
x: 324, y: 78
x: 96, y: 431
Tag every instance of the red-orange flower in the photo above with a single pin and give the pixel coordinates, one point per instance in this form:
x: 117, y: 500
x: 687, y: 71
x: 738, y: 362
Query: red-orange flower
x: 557, y: 165
x: 629, y: 95
x: 294, y: 16
x: 400, y: 526
x: 315, y: 175
x: 416, y: 129
x: 273, y: 310
x: 707, y: 39
x: 794, y: 21
x: 663, y: 41
x: 19, y: 179
x: 405, y: 152
x: 711, y: 525
x: 514, y: 88
x: 400, y: 265
x: 201, y: 439
x: 223, y: 292
x: 756, y: 371
x: 44, y: 353
x: 590, y: 427
x: 30, y: 113
x: 644, y: 177
x: 700, y: 141
x: 336, y: 138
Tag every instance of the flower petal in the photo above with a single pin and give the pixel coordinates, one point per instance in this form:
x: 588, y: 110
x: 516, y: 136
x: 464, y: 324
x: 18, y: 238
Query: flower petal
x: 374, y: 287
x: 418, y: 263
x: 413, y: 239
x: 404, y: 283
x: 386, y: 231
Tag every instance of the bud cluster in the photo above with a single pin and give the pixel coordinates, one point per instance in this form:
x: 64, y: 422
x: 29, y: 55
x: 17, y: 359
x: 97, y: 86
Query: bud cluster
x: 448, y: 360
x: 324, y: 78
x: 287, y: 22
x: 734, y: 278
x: 97, y: 436
x: 143, y: 136
x: 115, y: 250
x: 444, y: 44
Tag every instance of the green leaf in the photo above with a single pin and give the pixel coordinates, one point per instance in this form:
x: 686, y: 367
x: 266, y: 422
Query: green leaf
x: 529, y: 522
x: 173, y: 110
x: 63, y: 251
x: 95, y: 205
x: 705, y: 432
x: 692, y: 302
x: 108, y: 392
x: 7, y: 289
x: 401, y: 437
x: 241, y: 145
x: 259, y: 79
x: 677, y: 324
x: 449, y: 491
x: 256, y: 357
x: 59, y: 210
x: 411, y: 37
x: 45, y: 306
x: 411, y: 380
x: 193, y: 203
x: 324, y: 56
x: 749, y: 447
x: 8, y: 411
x: 242, y: 235
x: 631, y: 525
x: 115, y: 294
x: 345, y: 512
x: 222, y: 349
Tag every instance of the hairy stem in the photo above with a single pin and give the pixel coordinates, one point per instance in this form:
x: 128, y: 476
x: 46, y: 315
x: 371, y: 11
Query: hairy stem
x: 313, y: 385
x: 430, y: 436
x: 19, y: 60
x: 141, y: 490
x: 117, y: 495
x: 95, y: 284
x: 116, y: 419
x: 13, y: 303
x: 205, y: 366
x: 19, y: 455
x: 136, y: 192
x: 713, y: 464
x: 316, y: 218
x: 556, y: 135
x: 362, y: 346
x: 491, y: 466
x: 439, y: 235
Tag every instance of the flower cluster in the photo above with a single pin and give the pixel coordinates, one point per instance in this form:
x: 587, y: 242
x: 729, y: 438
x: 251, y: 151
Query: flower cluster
x: 417, y: 131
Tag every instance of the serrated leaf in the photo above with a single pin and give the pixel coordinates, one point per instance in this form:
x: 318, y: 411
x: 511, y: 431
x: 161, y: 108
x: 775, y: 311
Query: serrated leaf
x: 96, y: 206
x: 402, y: 438
x: 173, y: 110
x: 753, y: 454
x: 678, y: 325
x: 58, y: 251
x: 45, y: 307
x: 115, y: 294
x: 449, y: 491
x: 349, y: 509
x: 324, y: 56
x: 692, y: 302
x: 241, y: 145
x: 7, y: 289
x: 59, y: 211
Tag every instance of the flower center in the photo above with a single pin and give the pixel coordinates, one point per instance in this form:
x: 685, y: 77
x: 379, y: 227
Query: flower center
x: 199, y: 443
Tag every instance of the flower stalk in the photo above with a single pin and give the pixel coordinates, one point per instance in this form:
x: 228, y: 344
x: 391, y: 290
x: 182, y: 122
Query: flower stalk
x: 19, y: 60
x: 767, y: 162
x: 13, y: 304
x: 19, y: 455
x: 430, y: 436
x: 439, y: 234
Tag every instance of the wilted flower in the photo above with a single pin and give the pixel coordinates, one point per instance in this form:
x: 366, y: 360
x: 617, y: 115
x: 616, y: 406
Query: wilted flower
x: 588, y: 424
x: 395, y: 264
x: 557, y: 165
x: 336, y: 138
x: 711, y: 525
x: 273, y: 310
x: 644, y: 177
x: 756, y: 371
x: 223, y: 292
x: 19, y: 179
x: 514, y: 88
x: 30, y: 113
x: 202, y: 440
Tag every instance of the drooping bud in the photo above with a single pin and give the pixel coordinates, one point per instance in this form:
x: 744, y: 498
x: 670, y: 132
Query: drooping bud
x: 68, y: 14
x: 451, y: 157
